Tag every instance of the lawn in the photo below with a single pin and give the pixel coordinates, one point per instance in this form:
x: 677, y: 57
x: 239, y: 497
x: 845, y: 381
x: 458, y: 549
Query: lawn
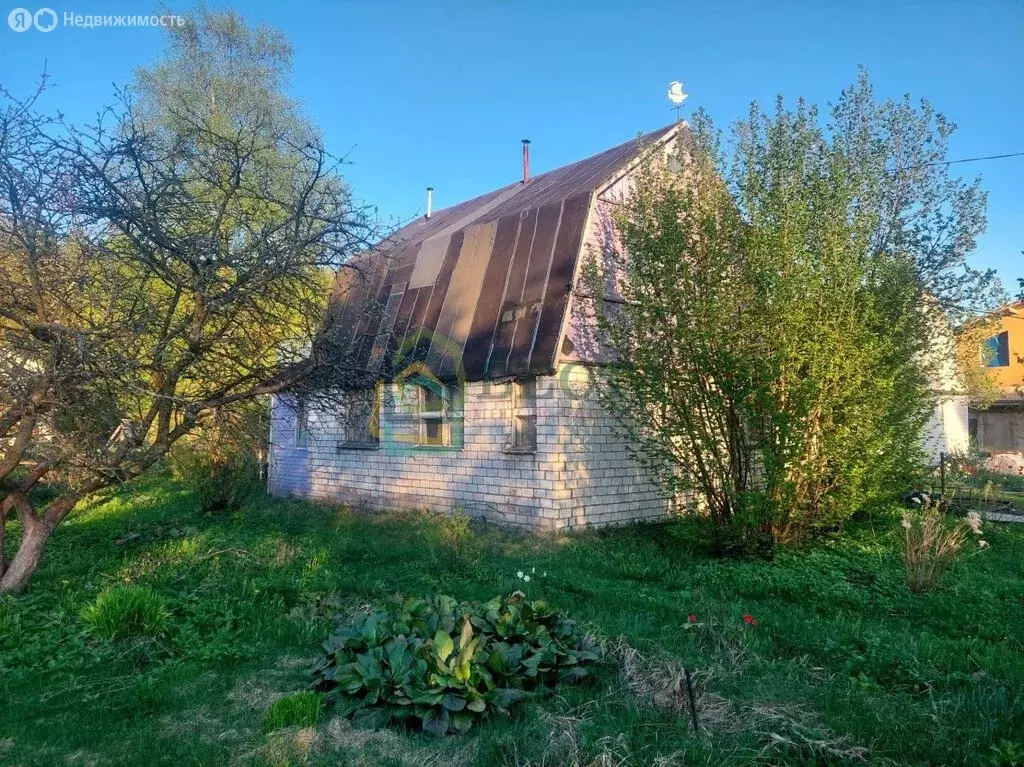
x: 842, y: 666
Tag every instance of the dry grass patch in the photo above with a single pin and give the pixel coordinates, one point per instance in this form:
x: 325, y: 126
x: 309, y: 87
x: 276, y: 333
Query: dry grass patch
x: 781, y: 729
x: 396, y: 747
x: 258, y: 692
x: 290, y: 745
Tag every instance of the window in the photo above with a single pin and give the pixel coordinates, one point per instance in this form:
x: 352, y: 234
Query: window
x: 301, y: 423
x: 523, y: 431
x: 360, y: 425
x: 997, y: 351
x: 439, y: 415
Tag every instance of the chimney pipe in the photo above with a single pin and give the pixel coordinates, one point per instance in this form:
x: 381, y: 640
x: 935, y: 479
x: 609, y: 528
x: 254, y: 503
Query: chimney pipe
x: 526, y: 161
x: 430, y: 200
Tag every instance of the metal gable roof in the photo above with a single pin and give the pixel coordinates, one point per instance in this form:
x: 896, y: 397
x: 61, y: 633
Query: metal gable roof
x: 478, y: 290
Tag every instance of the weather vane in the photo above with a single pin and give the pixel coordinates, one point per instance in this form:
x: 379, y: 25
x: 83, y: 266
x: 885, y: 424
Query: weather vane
x: 677, y: 96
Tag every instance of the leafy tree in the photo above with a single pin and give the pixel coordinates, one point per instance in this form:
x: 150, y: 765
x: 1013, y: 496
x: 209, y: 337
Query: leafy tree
x: 166, y: 263
x: 776, y: 313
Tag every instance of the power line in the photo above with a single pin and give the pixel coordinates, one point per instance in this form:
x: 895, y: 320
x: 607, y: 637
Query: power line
x: 988, y: 157
x: 954, y: 162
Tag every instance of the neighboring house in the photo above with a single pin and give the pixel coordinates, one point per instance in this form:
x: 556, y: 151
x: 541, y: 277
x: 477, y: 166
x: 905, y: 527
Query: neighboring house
x: 481, y: 338
x: 999, y: 427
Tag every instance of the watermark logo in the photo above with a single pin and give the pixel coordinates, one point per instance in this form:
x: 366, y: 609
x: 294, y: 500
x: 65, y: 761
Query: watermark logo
x: 46, y: 20
x: 20, y: 19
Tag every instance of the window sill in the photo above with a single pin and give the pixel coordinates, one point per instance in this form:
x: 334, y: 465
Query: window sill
x: 438, y: 448
x: 358, y: 446
x: 510, y: 450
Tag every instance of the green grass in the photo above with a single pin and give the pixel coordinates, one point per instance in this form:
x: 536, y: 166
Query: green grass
x: 126, y: 611
x: 843, y: 664
x: 301, y: 709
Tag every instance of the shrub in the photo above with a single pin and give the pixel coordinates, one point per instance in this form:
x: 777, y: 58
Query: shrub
x: 932, y: 545
x: 443, y: 665
x: 220, y: 485
x: 126, y: 611
x: 301, y: 709
x: 451, y: 539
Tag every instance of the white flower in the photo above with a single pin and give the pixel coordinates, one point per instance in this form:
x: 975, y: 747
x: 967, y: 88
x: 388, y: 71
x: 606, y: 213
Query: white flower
x: 519, y: 574
x: 526, y: 578
x: 534, y: 570
x: 545, y: 573
x: 983, y: 544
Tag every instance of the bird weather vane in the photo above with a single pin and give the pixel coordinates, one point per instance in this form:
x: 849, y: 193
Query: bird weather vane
x: 677, y: 96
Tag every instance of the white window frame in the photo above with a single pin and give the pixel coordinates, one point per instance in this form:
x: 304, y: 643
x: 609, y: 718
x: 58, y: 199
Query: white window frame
x: 448, y: 416
x: 523, y: 409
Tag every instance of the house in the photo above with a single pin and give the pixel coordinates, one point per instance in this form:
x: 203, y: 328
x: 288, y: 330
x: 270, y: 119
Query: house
x: 999, y: 427
x: 481, y: 341
x: 947, y: 430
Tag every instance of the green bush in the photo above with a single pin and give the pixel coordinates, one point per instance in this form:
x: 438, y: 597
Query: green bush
x: 220, y: 486
x: 301, y: 709
x: 126, y: 611
x: 450, y: 538
x: 443, y: 665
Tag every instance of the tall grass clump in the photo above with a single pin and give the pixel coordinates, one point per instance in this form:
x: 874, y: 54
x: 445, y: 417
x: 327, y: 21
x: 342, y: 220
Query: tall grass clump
x: 451, y: 539
x: 302, y: 709
x: 932, y: 545
x: 126, y: 611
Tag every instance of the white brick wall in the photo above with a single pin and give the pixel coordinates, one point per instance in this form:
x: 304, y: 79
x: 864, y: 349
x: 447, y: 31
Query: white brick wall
x: 580, y: 475
x: 947, y: 429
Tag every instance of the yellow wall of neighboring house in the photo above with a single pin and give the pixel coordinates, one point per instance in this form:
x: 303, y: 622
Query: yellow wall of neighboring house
x: 1010, y: 378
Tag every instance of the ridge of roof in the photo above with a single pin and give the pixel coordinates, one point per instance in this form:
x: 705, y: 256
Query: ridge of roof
x: 543, y: 186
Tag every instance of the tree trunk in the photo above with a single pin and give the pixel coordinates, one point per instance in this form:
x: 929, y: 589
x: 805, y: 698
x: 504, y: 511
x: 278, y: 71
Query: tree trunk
x: 35, y: 533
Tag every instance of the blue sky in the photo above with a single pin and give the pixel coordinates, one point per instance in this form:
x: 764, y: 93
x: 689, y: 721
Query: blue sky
x: 439, y: 94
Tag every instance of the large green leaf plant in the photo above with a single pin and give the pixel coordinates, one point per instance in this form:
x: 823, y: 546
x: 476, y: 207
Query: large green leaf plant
x: 442, y: 665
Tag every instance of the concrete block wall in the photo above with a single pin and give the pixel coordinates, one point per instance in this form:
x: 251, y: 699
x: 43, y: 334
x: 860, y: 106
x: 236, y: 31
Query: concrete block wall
x: 580, y: 475
x: 1000, y: 430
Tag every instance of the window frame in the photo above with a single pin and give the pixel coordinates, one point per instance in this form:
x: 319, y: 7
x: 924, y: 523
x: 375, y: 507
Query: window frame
x: 522, y: 408
x: 301, y: 434
x: 369, y: 439
x: 448, y: 415
x: 999, y: 346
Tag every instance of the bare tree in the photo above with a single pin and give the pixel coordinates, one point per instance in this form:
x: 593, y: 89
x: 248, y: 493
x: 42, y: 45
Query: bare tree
x: 155, y: 267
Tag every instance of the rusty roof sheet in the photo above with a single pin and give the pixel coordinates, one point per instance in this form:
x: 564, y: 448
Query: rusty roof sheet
x: 479, y: 290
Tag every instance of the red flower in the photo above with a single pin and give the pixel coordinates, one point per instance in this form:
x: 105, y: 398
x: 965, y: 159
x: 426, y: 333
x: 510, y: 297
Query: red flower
x: 692, y: 618
x: 750, y: 620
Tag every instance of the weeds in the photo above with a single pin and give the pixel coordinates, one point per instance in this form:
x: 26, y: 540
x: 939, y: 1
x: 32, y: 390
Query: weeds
x: 451, y: 539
